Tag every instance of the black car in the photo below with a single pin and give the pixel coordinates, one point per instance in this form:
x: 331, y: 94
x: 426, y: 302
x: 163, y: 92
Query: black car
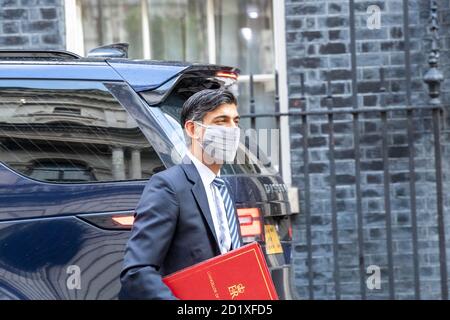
x: 79, y: 139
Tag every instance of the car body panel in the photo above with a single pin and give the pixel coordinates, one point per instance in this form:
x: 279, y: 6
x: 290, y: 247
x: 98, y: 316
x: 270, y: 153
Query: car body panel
x: 25, y: 198
x: 60, y: 258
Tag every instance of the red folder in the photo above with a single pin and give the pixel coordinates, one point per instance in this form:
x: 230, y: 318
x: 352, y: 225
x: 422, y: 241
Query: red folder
x: 240, y: 274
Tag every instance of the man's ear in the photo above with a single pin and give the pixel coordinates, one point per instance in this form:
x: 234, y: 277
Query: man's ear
x: 189, y: 127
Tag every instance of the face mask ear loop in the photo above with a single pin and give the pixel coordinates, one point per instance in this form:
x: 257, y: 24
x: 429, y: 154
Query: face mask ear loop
x: 202, y: 125
x: 199, y: 123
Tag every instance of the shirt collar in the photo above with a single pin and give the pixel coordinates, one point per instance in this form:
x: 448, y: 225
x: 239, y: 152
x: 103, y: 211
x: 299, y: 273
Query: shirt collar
x: 206, y: 174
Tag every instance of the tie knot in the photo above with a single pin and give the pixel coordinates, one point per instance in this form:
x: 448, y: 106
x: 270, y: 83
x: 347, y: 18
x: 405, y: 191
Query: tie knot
x: 218, y: 182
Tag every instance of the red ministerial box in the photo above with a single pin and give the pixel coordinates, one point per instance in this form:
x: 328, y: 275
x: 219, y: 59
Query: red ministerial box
x: 240, y: 274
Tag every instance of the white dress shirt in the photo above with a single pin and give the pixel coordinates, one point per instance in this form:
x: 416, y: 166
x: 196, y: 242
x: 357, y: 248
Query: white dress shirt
x: 215, y: 202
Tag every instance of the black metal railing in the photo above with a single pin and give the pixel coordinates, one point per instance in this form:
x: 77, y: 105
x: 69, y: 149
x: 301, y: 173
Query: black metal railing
x: 435, y: 112
x: 419, y: 120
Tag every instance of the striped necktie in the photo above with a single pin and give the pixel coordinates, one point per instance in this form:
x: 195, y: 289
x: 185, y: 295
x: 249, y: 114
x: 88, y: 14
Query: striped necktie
x: 230, y: 212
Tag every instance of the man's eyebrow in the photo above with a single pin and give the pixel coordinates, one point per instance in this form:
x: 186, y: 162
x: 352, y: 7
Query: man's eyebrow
x: 221, y: 117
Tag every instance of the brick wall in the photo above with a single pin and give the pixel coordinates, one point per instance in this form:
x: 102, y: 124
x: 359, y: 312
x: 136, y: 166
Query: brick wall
x: 318, y: 43
x: 32, y: 24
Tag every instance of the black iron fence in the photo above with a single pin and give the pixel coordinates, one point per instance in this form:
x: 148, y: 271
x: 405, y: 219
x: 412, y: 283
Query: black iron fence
x: 411, y: 115
x: 409, y: 122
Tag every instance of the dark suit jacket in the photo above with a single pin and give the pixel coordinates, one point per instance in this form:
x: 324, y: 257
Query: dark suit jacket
x: 173, y: 229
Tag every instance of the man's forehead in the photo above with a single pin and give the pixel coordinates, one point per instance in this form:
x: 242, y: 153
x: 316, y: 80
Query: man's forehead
x: 224, y: 111
x: 226, y: 108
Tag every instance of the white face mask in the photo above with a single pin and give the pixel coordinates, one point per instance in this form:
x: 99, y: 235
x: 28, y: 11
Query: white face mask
x: 220, y: 142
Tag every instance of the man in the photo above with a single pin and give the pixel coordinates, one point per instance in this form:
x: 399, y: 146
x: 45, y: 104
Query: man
x: 186, y: 214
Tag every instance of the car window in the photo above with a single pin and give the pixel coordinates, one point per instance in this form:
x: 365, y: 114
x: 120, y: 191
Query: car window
x: 71, y: 131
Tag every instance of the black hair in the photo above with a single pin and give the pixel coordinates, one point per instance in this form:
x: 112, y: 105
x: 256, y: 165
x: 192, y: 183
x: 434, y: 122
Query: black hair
x: 202, y: 102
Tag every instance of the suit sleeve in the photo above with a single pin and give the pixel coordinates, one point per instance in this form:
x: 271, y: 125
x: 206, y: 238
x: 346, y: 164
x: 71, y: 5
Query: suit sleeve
x: 153, y: 229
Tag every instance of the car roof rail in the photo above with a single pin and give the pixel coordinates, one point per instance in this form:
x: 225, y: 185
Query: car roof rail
x: 115, y: 50
x: 10, y: 54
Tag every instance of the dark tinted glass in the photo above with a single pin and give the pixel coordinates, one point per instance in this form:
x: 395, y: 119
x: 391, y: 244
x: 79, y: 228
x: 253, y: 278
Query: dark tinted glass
x: 67, y: 131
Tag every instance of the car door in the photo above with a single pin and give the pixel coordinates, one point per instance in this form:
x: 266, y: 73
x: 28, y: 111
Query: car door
x: 73, y: 164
